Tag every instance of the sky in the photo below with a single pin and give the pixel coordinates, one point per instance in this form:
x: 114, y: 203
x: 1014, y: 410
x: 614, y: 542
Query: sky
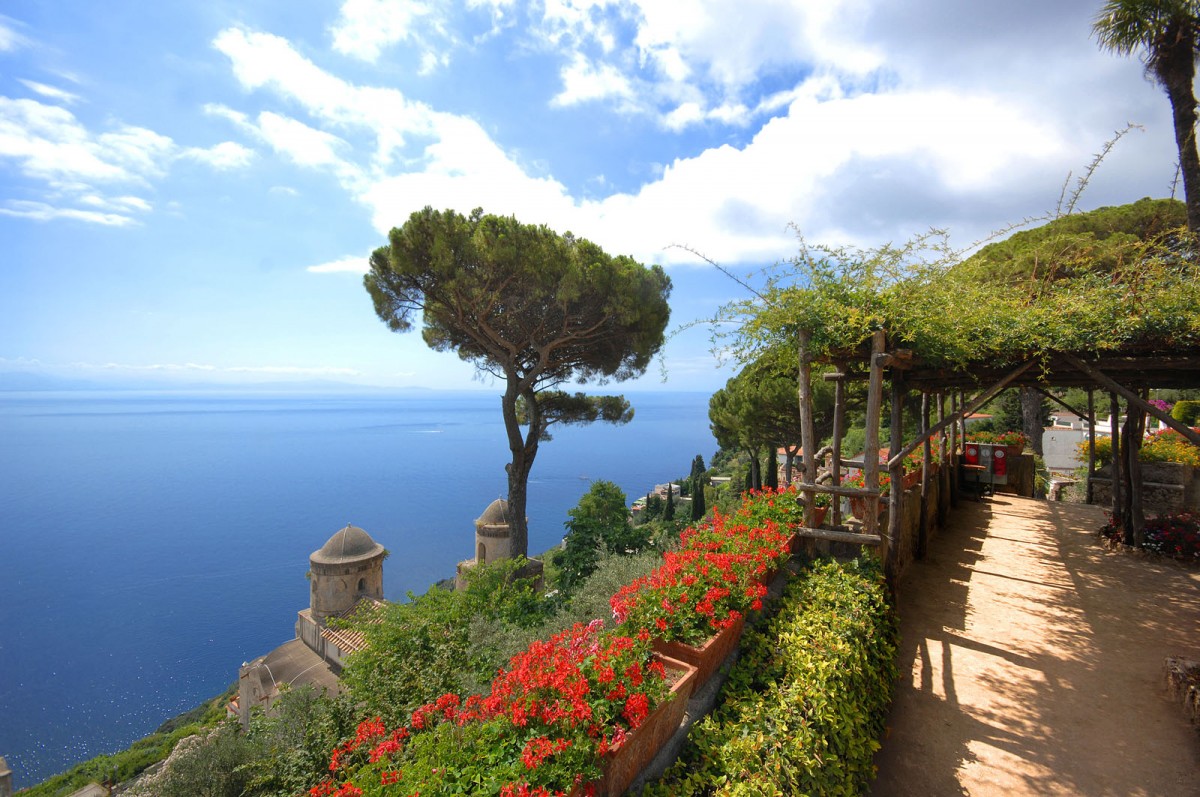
x: 189, y: 191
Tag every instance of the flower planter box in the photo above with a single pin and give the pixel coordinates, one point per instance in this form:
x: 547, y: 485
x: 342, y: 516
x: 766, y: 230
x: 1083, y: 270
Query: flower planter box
x: 622, y: 765
x: 707, y: 657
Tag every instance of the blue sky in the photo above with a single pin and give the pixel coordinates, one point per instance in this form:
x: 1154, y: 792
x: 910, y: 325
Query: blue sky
x: 189, y: 190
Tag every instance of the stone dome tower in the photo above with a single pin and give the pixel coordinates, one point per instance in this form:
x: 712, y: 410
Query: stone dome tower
x: 347, y: 568
x: 493, y: 533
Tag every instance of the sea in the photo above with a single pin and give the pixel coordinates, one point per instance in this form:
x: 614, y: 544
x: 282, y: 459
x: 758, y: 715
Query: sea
x: 151, y: 542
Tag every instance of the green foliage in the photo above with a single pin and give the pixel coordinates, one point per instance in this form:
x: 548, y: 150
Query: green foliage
x: 699, y: 509
x: 805, y: 704
x: 669, y: 503
x: 771, y: 469
x: 422, y: 647
x: 531, y: 307
x: 500, y: 641
x: 1164, y: 446
x: 213, y: 765
x: 599, y: 522
x: 1187, y: 412
x: 292, y: 742
x: 572, y: 409
x: 953, y: 312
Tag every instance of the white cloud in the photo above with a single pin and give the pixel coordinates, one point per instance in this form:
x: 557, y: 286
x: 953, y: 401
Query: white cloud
x: 40, y: 211
x: 49, y: 92
x: 350, y: 264
x: 584, y: 82
x: 50, y: 145
x: 10, y: 40
x: 365, y: 27
x: 225, y: 156
x: 301, y: 143
x: 120, y: 204
x: 851, y: 155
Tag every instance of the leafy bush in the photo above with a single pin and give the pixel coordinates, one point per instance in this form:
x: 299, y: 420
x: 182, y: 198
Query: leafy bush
x: 423, y: 647
x: 1165, y: 446
x: 1187, y: 412
x: 805, y: 705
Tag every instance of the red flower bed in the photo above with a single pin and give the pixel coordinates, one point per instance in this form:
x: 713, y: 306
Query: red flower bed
x: 551, y: 716
x: 1176, y: 535
x: 705, y: 586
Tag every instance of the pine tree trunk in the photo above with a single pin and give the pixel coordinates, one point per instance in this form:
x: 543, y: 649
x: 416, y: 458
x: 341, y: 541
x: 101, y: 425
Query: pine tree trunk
x: 523, y: 450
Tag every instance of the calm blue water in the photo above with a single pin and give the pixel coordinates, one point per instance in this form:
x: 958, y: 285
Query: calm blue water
x: 150, y: 543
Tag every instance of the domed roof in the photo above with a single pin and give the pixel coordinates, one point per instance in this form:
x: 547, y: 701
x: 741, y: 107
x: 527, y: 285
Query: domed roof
x: 348, y: 545
x: 495, y: 515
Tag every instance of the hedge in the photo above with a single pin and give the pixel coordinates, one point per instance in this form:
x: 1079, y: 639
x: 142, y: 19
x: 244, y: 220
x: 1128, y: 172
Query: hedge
x: 805, y: 705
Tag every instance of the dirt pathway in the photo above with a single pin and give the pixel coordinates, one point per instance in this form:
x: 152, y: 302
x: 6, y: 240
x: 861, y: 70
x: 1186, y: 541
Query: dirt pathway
x: 1031, y: 662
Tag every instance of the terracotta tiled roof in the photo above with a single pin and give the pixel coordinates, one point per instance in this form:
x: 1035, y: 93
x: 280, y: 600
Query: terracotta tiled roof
x: 349, y: 640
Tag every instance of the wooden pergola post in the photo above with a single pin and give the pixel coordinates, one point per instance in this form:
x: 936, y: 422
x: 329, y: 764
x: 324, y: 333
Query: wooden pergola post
x: 1091, y: 472
x: 839, y: 431
x: 943, y: 459
x: 808, y: 442
x: 871, y: 445
x: 926, y: 455
x: 896, y: 475
x: 1114, y: 425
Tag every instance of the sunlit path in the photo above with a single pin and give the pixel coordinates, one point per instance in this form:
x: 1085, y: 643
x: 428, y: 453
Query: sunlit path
x: 1031, y: 662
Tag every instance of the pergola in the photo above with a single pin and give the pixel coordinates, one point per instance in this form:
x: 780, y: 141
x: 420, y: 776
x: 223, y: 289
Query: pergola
x: 1129, y: 373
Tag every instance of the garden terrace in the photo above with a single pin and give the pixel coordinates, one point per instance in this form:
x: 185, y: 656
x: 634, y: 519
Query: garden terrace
x: 1059, y: 308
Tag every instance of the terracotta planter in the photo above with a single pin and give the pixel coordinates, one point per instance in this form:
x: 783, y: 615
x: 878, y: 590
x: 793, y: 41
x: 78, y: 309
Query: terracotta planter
x: 858, y: 507
x: 819, y: 514
x: 622, y: 765
x: 912, y: 479
x: 707, y: 657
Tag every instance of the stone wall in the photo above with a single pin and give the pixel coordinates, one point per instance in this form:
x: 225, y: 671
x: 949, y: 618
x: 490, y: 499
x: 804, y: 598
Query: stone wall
x: 1167, y: 487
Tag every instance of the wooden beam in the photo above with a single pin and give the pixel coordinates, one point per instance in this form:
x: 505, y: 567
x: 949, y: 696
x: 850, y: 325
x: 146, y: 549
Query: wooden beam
x: 974, y: 404
x: 1065, y: 405
x: 1134, y: 398
x: 839, y: 536
x: 837, y: 489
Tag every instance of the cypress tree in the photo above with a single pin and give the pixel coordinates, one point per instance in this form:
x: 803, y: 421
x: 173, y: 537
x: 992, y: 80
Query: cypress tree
x: 771, y: 477
x: 669, y: 508
x: 698, y: 507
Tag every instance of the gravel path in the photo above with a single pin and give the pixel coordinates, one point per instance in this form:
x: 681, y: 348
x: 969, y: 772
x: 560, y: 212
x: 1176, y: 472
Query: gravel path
x: 1032, y: 662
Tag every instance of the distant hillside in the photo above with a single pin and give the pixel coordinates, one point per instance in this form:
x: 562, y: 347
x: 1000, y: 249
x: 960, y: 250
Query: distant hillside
x: 1098, y: 240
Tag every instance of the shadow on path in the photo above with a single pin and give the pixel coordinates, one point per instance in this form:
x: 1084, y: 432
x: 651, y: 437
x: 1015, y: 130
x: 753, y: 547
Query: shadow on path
x: 1031, y: 662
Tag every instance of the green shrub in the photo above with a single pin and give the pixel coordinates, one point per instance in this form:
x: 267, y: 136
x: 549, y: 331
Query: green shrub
x: 1187, y: 411
x: 805, y: 705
